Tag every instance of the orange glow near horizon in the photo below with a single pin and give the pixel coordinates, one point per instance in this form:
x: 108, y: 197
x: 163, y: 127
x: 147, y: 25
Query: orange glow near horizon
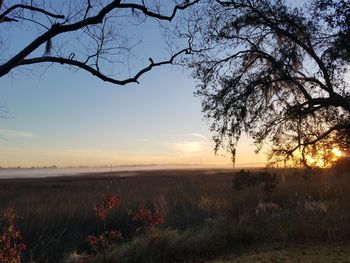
x: 184, y: 149
x: 324, y: 159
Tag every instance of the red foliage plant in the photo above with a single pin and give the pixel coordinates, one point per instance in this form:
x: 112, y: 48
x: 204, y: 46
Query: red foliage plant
x: 109, y: 202
x: 105, y: 240
x: 11, y: 245
x: 149, y: 220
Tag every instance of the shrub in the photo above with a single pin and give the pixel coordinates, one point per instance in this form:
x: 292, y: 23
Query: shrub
x: 148, y: 219
x: 109, y: 202
x: 262, y: 180
x: 104, y: 241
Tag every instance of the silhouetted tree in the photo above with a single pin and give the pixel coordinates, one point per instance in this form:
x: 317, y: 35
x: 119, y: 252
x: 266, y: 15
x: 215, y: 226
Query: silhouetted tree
x: 91, y: 35
x: 336, y: 14
x: 276, y: 72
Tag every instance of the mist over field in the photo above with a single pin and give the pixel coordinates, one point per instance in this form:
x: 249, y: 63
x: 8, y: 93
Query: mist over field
x: 52, y: 172
x: 11, y: 173
x: 7, y: 173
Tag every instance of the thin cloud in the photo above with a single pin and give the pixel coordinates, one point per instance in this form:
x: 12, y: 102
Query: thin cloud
x: 15, y: 134
x: 198, y: 135
x: 142, y: 140
x: 187, y: 146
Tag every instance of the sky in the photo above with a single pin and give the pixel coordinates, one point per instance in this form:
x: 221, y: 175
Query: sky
x: 70, y: 118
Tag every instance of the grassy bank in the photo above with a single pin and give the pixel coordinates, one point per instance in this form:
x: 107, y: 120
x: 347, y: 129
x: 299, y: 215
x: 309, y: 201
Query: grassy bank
x: 288, y: 253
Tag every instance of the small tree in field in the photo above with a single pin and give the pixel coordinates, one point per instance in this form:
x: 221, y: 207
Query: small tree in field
x: 264, y: 180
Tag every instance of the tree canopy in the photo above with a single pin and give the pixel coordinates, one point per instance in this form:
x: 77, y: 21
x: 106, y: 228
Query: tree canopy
x: 91, y: 35
x: 276, y: 72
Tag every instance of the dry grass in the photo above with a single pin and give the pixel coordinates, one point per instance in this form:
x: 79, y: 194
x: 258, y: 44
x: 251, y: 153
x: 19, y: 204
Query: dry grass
x: 56, y: 214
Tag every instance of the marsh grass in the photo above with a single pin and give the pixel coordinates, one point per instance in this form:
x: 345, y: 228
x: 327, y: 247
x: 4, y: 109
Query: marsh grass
x: 55, y: 215
x: 204, y: 216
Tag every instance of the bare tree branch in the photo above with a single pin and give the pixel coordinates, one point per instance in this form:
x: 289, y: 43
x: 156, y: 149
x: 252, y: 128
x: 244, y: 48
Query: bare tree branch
x: 97, y: 73
x: 318, y: 139
x: 58, y: 29
x: 31, y: 8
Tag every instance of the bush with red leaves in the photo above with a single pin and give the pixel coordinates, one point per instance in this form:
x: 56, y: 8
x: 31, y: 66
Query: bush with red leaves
x: 148, y: 219
x: 105, y: 240
x: 11, y: 245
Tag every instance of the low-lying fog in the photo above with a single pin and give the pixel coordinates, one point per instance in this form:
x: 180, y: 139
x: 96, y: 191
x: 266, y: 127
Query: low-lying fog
x: 50, y: 172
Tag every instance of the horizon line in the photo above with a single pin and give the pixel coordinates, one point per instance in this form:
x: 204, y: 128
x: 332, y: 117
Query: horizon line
x: 134, y: 165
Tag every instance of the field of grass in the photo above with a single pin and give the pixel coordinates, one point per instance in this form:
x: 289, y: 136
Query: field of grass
x: 204, y: 217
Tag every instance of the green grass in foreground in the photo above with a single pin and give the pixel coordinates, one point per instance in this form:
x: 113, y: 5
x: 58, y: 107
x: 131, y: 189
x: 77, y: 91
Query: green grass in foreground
x: 305, y: 254
x: 203, y: 242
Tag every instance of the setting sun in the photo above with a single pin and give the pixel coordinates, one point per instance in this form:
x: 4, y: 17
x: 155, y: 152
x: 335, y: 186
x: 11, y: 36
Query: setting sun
x: 324, y: 158
x: 337, y: 153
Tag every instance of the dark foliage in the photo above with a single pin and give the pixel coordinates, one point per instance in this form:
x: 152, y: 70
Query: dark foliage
x: 337, y: 16
x: 342, y: 165
x: 275, y: 72
x: 263, y: 180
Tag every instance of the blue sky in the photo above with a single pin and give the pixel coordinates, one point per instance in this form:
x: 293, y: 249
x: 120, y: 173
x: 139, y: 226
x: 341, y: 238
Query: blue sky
x: 70, y: 118
x: 63, y: 117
